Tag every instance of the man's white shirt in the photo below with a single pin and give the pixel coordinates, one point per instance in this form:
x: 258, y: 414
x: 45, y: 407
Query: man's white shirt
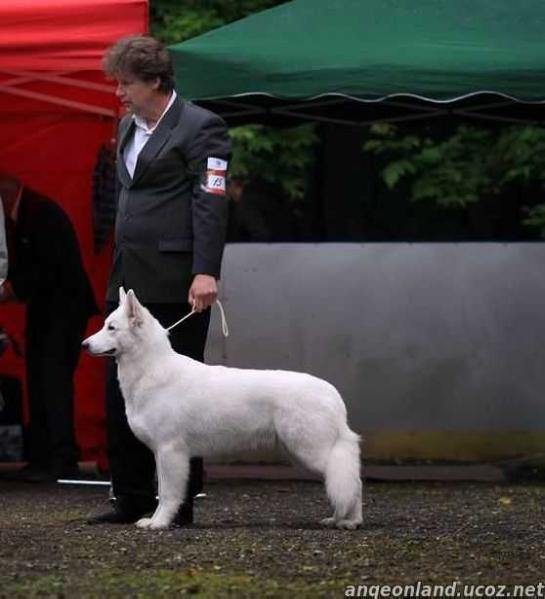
x: 142, y: 133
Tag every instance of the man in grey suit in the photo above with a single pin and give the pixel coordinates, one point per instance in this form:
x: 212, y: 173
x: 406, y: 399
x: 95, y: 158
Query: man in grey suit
x: 170, y: 230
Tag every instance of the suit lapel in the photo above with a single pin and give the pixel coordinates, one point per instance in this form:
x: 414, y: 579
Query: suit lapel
x: 122, y: 171
x: 158, y: 139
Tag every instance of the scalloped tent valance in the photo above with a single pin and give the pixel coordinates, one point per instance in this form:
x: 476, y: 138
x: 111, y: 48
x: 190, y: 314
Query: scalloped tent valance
x: 359, y: 61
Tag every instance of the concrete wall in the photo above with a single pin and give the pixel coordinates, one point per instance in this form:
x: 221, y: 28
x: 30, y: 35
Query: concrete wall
x: 417, y: 337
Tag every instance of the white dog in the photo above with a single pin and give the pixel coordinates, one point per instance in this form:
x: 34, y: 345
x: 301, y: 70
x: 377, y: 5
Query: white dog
x: 182, y: 408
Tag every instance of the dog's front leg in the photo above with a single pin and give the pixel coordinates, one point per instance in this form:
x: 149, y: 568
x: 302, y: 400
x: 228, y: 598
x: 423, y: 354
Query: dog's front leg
x: 172, y: 463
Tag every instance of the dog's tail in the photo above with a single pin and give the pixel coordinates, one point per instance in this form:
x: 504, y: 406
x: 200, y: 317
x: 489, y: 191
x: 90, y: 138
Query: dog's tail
x: 342, y: 477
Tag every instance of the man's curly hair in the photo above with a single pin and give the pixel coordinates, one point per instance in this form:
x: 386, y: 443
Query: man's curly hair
x: 142, y: 57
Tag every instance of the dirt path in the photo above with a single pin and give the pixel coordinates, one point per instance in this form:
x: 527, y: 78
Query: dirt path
x: 262, y: 539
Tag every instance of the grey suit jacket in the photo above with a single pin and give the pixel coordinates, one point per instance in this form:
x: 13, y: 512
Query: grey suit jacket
x: 168, y: 226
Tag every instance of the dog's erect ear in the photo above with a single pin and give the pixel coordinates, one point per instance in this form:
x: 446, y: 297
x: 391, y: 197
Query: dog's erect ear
x: 122, y: 295
x: 134, y: 309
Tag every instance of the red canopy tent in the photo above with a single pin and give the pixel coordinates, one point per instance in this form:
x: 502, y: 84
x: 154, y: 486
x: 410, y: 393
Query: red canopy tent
x: 56, y: 112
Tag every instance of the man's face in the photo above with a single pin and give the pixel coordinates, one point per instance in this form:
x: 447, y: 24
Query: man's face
x: 136, y: 95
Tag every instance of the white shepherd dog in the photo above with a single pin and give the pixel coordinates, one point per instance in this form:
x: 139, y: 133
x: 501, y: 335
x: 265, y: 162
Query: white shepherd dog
x: 182, y: 408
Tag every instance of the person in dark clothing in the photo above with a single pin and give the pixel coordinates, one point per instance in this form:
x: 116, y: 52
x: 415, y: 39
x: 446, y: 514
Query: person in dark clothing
x: 259, y: 212
x: 169, y: 236
x: 47, y: 274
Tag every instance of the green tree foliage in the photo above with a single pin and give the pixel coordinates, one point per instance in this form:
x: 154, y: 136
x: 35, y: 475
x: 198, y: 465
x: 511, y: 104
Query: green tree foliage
x: 174, y: 21
x: 465, y: 167
x: 280, y: 156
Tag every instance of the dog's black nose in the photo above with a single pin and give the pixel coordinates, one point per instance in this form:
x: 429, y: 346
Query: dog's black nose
x: 85, y: 345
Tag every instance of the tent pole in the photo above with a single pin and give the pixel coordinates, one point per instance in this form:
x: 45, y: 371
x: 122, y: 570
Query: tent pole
x: 61, y: 80
x: 58, y: 101
x: 499, y: 119
x: 22, y: 80
x: 324, y: 119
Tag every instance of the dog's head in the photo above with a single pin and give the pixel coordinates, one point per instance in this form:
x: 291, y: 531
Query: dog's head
x: 125, y: 328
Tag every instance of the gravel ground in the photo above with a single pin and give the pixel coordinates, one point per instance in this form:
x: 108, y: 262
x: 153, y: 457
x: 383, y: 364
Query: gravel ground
x: 255, y: 538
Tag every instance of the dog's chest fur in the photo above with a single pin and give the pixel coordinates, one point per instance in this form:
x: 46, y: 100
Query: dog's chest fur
x: 137, y: 389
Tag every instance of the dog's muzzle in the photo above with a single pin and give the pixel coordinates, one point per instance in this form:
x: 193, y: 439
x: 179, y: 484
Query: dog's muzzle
x: 87, y: 347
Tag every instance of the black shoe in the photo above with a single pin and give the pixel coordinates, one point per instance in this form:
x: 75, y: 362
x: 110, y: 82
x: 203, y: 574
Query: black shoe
x: 122, y: 513
x: 31, y: 473
x: 35, y: 473
x: 64, y: 470
x: 67, y: 473
x: 117, y: 516
x: 184, y: 515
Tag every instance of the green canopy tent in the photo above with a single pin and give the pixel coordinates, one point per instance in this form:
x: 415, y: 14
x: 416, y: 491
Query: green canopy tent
x: 360, y: 61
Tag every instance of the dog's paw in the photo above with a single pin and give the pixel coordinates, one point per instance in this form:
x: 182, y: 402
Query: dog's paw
x: 158, y: 524
x: 329, y: 522
x: 143, y: 523
x: 348, y: 524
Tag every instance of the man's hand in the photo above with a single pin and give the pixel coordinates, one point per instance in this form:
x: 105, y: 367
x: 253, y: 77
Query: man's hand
x: 203, y: 292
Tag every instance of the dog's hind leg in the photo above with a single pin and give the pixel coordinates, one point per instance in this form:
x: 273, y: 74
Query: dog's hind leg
x: 335, y: 455
x: 343, y: 482
x: 172, y: 473
x: 340, y: 468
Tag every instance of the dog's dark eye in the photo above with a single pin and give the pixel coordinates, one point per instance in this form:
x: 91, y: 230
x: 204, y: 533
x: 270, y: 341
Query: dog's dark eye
x: 111, y: 327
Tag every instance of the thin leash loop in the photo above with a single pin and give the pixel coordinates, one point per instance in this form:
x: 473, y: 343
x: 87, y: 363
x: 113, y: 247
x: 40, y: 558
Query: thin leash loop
x: 224, y: 327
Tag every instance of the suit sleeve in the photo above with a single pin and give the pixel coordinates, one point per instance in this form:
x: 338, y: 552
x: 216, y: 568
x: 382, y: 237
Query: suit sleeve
x: 209, y: 207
